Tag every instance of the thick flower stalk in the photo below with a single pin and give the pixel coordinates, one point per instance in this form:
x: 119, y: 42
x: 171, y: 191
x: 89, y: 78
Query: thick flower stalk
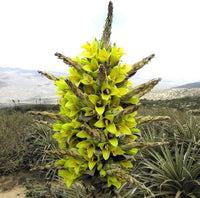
x: 97, y: 125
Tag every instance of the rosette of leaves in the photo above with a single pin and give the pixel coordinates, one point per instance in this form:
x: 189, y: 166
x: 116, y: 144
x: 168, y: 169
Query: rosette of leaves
x: 96, y: 127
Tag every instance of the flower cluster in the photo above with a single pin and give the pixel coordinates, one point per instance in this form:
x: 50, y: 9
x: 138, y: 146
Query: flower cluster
x: 98, y: 120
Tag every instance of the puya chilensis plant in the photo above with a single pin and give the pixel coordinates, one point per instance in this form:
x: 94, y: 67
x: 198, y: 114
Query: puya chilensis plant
x: 96, y: 127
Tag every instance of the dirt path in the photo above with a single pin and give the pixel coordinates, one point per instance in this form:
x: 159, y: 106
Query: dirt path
x: 11, y: 185
x: 16, y: 192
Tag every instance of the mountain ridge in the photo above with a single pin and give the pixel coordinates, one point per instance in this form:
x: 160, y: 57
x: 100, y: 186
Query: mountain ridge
x: 189, y: 85
x: 27, y: 86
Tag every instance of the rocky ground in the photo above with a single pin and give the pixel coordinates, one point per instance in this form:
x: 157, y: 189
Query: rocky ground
x: 168, y: 94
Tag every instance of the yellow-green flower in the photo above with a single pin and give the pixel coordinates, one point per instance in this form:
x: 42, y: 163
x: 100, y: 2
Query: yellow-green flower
x: 111, y: 138
x: 72, y: 106
x: 107, y: 123
x: 114, y: 180
x: 89, y: 89
x: 103, y: 55
x: 91, y: 49
x: 87, y: 146
x: 107, y: 91
x: 106, y: 149
x: 75, y: 76
x: 92, y: 67
x: 116, y: 76
x: 98, y: 103
x: 116, y: 54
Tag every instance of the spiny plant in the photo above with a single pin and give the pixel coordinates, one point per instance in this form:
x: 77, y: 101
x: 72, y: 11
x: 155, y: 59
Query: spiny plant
x: 96, y: 126
x: 173, y: 174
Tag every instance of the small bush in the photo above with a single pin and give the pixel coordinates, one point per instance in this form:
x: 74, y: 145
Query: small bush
x: 14, y: 131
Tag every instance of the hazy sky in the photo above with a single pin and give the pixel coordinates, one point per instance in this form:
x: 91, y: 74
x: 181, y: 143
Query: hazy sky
x: 31, y: 31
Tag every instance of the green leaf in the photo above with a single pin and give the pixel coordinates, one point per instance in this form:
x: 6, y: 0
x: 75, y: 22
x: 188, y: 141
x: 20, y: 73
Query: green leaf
x: 91, y: 164
x: 114, y: 141
x: 106, y: 154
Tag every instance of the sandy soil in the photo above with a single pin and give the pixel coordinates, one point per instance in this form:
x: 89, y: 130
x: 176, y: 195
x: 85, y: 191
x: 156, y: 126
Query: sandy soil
x: 11, y: 186
x: 16, y: 192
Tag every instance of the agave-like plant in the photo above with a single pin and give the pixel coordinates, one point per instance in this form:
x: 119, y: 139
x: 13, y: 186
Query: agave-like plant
x: 96, y: 126
x: 172, y: 174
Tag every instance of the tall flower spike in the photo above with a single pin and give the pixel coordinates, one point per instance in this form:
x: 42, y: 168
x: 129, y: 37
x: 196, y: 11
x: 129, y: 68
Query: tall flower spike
x: 98, y: 141
x: 107, y: 28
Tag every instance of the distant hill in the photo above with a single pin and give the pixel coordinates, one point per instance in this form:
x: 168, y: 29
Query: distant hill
x: 27, y: 86
x: 190, y: 85
x: 169, y: 94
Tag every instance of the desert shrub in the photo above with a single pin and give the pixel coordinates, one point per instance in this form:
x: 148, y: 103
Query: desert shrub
x: 14, y: 127
x: 22, y: 143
